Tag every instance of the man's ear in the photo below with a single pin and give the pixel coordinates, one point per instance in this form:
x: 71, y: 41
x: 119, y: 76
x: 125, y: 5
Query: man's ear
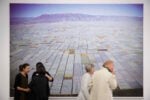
x: 103, y: 65
x: 108, y: 69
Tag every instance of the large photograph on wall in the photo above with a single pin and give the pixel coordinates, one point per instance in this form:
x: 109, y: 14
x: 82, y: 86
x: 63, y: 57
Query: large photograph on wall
x: 66, y: 37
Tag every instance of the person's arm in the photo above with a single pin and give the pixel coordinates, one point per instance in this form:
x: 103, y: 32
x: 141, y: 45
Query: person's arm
x: 113, y: 82
x: 90, y: 85
x: 49, y: 77
x: 17, y: 84
x: 23, y: 89
x: 85, y: 87
x: 17, y: 81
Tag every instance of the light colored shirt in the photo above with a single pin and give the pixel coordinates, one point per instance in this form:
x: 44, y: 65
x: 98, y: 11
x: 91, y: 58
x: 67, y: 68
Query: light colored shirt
x: 84, y: 91
x: 102, y: 84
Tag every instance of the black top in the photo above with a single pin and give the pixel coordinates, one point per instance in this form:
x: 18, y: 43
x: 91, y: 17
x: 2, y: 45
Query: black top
x: 39, y: 86
x: 21, y: 81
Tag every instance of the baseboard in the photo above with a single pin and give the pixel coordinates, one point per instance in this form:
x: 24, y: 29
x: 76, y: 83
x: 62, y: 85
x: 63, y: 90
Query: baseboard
x: 74, y: 98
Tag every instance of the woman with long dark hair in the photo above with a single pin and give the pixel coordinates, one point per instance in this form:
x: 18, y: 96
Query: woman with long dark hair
x: 21, y: 83
x: 39, y: 84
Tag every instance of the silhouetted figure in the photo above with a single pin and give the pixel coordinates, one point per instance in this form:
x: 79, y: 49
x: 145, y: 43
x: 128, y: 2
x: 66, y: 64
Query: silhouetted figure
x: 21, y: 83
x: 39, y: 84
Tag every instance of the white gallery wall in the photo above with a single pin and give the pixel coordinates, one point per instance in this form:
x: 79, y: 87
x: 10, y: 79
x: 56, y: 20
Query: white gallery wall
x: 5, y: 42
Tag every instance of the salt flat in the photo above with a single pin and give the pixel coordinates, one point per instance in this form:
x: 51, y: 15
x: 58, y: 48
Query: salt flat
x: 65, y: 47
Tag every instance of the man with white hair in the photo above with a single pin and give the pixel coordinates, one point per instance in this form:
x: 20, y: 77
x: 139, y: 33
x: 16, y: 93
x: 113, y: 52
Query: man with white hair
x: 103, y: 82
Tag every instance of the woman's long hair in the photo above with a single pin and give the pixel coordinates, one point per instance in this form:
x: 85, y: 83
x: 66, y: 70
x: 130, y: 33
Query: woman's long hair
x: 40, y: 68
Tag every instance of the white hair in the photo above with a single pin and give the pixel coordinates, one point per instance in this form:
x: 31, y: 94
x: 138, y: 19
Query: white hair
x: 88, y: 67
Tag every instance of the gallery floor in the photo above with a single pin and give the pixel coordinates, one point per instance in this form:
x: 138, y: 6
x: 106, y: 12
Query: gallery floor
x: 74, y: 98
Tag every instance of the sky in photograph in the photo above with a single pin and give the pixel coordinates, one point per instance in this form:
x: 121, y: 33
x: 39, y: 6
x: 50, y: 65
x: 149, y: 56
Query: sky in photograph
x: 34, y: 10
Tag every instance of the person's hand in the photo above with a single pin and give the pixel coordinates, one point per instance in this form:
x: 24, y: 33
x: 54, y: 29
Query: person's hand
x: 46, y: 75
x: 27, y: 89
x: 49, y: 77
x: 112, y: 70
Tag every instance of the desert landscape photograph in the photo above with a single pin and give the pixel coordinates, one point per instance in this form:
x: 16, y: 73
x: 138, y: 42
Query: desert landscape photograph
x: 66, y: 37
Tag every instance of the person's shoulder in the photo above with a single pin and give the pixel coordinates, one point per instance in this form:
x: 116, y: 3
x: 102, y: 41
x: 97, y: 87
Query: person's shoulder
x: 86, y: 75
x: 48, y: 73
x: 104, y: 70
x: 18, y: 75
x: 35, y: 74
x: 107, y: 73
x: 97, y: 71
x: 100, y: 72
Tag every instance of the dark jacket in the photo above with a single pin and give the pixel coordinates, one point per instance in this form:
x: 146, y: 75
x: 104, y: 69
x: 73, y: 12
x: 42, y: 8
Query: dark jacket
x: 39, y: 86
x: 20, y: 81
